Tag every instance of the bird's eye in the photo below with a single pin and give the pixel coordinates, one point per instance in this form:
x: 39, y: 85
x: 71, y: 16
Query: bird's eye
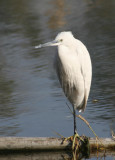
x: 61, y: 40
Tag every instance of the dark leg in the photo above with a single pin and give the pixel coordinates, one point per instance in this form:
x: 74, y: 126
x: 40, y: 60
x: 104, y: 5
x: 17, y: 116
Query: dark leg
x: 74, y: 116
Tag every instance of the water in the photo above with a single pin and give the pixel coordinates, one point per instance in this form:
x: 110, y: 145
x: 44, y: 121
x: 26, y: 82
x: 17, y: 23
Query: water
x: 31, y: 100
x: 46, y: 156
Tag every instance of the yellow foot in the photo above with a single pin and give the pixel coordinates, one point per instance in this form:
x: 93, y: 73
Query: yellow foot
x: 70, y: 139
x: 75, y: 139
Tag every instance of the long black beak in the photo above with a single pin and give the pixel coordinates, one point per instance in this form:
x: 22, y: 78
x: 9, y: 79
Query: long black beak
x: 53, y: 43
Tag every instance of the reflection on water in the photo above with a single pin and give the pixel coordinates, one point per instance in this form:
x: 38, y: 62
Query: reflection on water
x: 100, y: 18
x: 57, y: 14
x: 56, y: 156
x: 29, y: 90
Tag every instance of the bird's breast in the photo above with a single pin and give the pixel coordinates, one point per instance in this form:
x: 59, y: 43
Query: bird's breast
x: 69, y: 60
x: 71, y: 72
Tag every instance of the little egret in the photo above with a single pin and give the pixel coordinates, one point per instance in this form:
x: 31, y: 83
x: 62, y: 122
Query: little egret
x: 74, y: 70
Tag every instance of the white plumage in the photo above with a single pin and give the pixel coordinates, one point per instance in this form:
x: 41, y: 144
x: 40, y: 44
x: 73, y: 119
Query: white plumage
x: 74, y: 70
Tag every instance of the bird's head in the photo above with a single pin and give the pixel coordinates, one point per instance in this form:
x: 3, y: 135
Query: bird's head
x: 63, y: 38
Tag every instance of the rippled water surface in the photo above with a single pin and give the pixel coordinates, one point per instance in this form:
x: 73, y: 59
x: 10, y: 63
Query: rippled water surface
x: 32, y: 102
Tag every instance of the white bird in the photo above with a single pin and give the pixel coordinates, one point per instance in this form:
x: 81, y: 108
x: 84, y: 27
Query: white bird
x: 74, y: 70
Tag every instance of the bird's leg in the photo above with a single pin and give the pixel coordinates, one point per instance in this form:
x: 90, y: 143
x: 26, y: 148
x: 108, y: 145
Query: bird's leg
x: 75, y: 129
x: 74, y: 117
x: 75, y: 138
x: 72, y: 138
x: 76, y: 135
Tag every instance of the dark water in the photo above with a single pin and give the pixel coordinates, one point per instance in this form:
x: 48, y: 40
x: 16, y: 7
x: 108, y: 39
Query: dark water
x: 31, y: 100
x: 47, y: 156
